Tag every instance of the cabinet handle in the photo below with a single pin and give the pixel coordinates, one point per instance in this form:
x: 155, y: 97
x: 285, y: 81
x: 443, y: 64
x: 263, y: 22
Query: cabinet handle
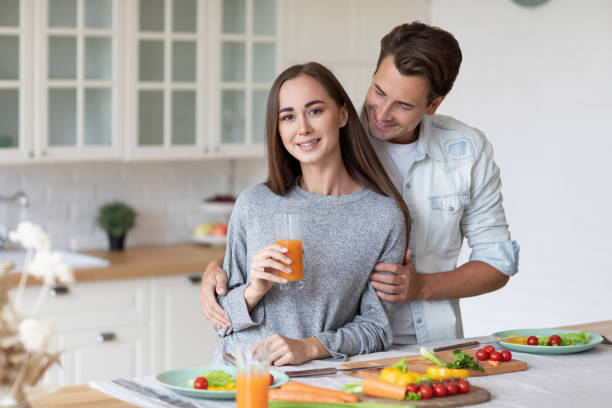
x: 193, y: 280
x: 105, y: 337
x: 59, y: 290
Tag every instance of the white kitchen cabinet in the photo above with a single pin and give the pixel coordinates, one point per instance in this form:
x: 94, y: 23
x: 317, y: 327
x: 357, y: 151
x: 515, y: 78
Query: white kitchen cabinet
x: 125, y: 327
x: 181, y: 336
x: 15, y: 83
x: 86, y: 357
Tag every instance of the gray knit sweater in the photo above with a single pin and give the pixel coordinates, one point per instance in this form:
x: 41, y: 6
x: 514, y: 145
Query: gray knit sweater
x: 343, y: 238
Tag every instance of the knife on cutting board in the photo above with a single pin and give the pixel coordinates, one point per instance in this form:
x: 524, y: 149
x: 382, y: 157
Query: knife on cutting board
x: 315, y: 371
x: 471, y: 344
x: 330, y: 371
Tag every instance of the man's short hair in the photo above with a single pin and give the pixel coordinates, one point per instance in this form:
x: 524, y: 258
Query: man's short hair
x: 422, y: 50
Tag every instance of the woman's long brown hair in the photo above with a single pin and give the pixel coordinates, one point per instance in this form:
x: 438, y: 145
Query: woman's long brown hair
x: 358, y: 155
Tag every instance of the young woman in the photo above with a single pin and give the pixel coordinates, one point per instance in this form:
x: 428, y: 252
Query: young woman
x: 323, y: 168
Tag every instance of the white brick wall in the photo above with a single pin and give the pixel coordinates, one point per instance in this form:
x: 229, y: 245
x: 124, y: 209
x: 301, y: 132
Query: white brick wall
x: 65, y: 197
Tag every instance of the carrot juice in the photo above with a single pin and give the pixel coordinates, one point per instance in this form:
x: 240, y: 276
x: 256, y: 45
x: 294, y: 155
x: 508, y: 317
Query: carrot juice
x: 295, y: 253
x: 252, y: 390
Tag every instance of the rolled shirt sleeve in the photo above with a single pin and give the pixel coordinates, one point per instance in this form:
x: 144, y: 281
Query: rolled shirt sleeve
x: 235, y: 264
x: 484, y: 221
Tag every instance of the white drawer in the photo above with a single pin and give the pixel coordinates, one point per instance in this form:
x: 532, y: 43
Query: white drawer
x: 94, y: 305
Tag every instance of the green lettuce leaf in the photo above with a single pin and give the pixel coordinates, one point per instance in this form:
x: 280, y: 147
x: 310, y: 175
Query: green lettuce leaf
x: 218, y: 378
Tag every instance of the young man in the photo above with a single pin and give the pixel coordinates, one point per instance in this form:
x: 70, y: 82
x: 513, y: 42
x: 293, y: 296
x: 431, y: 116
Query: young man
x: 445, y: 172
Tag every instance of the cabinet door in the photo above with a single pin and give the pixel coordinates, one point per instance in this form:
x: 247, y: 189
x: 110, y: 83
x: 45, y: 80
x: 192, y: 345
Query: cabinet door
x: 169, y: 68
x: 89, y: 357
x: 248, y: 60
x: 15, y: 83
x: 183, y: 337
x: 79, y: 79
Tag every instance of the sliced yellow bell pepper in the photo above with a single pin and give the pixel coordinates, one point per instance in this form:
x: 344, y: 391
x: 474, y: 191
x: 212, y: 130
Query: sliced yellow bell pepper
x: 395, y: 376
x: 391, y: 374
x: 439, y: 373
x: 229, y: 387
x: 519, y: 339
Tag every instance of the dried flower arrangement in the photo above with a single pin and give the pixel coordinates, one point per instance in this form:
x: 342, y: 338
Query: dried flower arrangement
x: 24, y: 340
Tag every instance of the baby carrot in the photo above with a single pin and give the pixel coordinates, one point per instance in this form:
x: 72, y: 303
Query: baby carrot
x: 379, y: 388
x: 301, y: 396
x: 346, y: 397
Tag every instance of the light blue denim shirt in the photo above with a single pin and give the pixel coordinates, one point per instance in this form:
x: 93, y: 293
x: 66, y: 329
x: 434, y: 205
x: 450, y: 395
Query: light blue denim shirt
x: 453, y: 190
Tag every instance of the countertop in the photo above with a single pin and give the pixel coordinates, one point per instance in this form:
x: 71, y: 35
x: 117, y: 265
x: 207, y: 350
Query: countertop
x: 144, y: 261
x: 506, y: 389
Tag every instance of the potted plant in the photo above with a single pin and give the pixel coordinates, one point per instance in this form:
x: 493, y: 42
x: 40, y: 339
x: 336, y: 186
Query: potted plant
x: 116, y: 218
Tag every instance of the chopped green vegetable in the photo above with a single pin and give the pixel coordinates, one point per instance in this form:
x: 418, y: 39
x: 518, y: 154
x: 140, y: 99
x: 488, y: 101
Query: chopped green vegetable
x: 431, y: 356
x: 353, y: 388
x: 286, y: 404
x: 462, y: 360
x: 412, y: 396
x: 569, y: 339
x: 218, y: 378
x: 401, y: 365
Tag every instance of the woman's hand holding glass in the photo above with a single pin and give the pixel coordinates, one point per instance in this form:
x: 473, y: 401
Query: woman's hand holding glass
x: 264, y: 272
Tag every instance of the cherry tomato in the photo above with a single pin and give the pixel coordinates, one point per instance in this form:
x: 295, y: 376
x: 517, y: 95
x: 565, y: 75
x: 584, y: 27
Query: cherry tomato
x: 426, y: 391
x: 271, y: 379
x: 440, y: 390
x: 489, y: 348
x: 496, y: 356
x: 451, y: 388
x: 554, y: 340
x: 482, y: 355
x: 532, y: 341
x: 412, y: 387
x: 200, y: 383
x: 463, y: 386
x: 506, y: 355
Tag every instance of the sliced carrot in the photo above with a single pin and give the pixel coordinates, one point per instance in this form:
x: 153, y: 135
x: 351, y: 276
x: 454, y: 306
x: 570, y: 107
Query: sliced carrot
x: 301, y: 396
x: 346, y: 397
x: 493, y: 363
x: 379, y: 388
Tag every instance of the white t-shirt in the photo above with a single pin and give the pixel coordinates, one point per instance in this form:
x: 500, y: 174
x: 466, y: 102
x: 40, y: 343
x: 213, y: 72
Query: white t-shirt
x: 397, y: 159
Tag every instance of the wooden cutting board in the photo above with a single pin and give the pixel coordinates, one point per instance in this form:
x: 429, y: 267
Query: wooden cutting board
x: 475, y: 396
x: 419, y: 364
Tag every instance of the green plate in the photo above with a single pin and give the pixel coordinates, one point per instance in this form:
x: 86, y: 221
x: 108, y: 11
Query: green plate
x: 594, y: 339
x: 177, y: 381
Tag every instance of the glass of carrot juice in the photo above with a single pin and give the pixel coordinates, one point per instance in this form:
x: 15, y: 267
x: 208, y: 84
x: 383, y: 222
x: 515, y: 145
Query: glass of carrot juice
x: 288, y: 233
x: 252, y: 381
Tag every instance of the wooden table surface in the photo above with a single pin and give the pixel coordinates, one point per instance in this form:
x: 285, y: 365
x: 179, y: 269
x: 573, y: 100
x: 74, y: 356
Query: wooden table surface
x: 144, y: 261
x: 83, y: 395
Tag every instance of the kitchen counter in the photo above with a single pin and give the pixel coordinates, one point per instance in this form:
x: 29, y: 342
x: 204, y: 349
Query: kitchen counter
x: 549, y: 379
x: 144, y: 261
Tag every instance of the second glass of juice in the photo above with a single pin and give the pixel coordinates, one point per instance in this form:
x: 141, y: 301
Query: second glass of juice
x: 252, y: 381
x: 288, y: 233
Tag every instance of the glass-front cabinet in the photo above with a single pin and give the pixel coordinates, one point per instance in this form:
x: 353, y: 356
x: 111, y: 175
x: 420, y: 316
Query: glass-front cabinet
x: 248, y: 58
x: 135, y: 79
x: 15, y: 89
x: 79, y: 79
x: 168, y: 97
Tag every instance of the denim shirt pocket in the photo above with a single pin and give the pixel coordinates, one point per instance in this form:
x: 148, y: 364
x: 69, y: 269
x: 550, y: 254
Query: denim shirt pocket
x: 444, y: 230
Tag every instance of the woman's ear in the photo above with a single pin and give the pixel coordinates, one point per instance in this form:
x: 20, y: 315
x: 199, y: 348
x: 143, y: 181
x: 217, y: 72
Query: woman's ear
x: 343, y: 116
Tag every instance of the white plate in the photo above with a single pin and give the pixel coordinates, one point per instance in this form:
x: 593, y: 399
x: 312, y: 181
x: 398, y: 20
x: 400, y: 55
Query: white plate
x: 209, y: 240
x: 223, y: 208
